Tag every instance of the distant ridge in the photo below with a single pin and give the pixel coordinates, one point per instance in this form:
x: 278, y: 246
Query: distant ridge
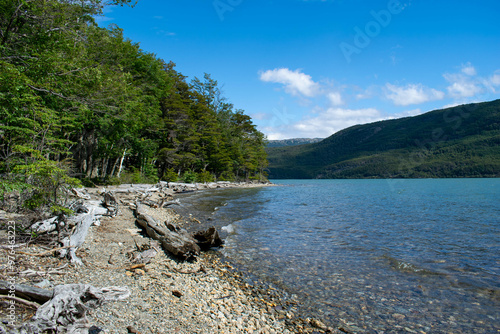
x: 292, y: 142
x: 462, y: 141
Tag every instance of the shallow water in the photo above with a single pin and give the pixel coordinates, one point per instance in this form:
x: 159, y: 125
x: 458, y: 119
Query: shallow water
x: 374, y: 256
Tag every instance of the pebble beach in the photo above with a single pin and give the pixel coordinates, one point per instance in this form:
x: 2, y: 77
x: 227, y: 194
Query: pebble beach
x: 167, y: 295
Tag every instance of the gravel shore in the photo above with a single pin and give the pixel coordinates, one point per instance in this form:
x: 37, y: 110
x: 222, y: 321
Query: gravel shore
x: 167, y: 296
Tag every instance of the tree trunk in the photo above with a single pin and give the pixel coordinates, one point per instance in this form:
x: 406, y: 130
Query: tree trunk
x: 114, y: 167
x: 121, y: 163
x: 175, y: 240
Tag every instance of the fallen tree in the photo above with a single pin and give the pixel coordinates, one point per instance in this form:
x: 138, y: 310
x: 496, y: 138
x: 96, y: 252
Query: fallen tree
x: 65, y: 307
x: 77, y: 238
x: 26, y: 292
x: 208, y: 239
x: 173, y: 239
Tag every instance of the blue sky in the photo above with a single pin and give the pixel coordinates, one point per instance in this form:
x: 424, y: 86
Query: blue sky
x: 309, y: 68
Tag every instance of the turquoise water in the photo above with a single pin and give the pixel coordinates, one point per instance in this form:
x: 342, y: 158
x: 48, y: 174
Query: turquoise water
x: 375, y: 256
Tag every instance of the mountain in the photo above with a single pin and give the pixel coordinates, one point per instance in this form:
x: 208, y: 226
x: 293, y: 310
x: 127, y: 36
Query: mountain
x: 292, y: 142
x: 461, y: 141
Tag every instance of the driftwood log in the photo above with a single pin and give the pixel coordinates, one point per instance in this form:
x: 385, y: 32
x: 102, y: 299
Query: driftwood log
x: 66, y: 311
x: 208, y: 239
x: 26, y: 292
x: 79, y: 193
x: 78, y: 237
x: 173, y: 239
x: 47, y: 225
x: 110, y: 203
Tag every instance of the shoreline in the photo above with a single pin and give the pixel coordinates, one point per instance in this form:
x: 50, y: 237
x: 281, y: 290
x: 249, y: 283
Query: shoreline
x: 167, y: 296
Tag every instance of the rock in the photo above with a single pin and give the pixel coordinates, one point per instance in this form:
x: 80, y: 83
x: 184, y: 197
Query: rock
x: 94, y: 330
x: 318, y: 324
x: 177, y: 293
x: 132, y: 330
x: 43, y: 284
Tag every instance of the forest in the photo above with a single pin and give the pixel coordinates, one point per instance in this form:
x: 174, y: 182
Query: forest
x: 82, y: 104
x: 461, y: 141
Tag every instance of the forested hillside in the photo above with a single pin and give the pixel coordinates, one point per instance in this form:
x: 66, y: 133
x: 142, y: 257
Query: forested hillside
x: 462, y: 141
x: 80, y: 102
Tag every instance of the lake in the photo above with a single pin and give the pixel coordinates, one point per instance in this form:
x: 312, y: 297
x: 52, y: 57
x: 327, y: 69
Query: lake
x: 373, y: 256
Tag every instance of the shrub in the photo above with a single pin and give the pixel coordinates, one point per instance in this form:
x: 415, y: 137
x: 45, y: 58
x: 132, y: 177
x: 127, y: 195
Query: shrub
x: 189, y: 177
x: 170, y: 175
x: 204, y: 177
x: 227, y: 176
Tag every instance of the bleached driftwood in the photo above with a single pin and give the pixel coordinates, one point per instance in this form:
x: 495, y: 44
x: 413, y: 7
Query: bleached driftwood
x: 153, y: 189
x: 50, y: 225
x: 31, y: 272
x: 47, y: 225
x: 169, y: 203
x: 78, y: 237
x: 66, y: 311
x: 110, y: 203
x: 178, y: 187
x: 173, y: 239
x: 26, y: 291
x: 20, y: 300
x: 79, y: 207
x: 79, y: 194
x: 162, y: 203
x: 96, y: 205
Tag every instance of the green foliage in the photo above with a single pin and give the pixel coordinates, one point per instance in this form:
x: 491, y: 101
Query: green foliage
x: 227, y: 176
x: 11, y: 186
x: 83, y: 100
x: 456, y: 142
x: 42, y: 183
x: 205, y: 177
x: 60, y: 210
x: 189, y: 177
x: 88, y: 182
x: 170, y: 175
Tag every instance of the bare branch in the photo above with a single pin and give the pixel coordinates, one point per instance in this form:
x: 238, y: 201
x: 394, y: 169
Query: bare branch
x: 20, y: 300
x: 48, y: 91
x: 73, y: 71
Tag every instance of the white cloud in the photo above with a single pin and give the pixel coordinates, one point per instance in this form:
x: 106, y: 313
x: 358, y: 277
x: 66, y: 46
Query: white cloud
x: 412, y: 94
x: 324, y: 124
x: 260, y: 116
x: 495, y: 78
x: 333, y: 120
x: 335, y: 98
x: 100, y: 19
x: 468, y: 69
x: 368, y: 93
x: 462, y: 86
x: 295, y: 82
x: 407, y: 113
x: 272, y: 134
x: 331, y: 105
x: 451, y: 105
